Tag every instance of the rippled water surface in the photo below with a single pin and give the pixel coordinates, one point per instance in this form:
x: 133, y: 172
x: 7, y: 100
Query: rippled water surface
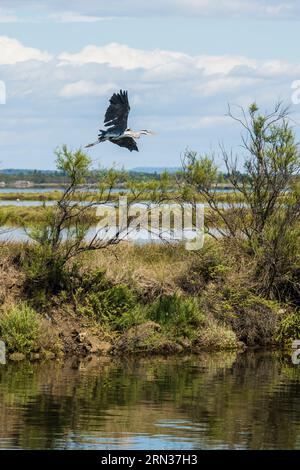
x: 248, y: 401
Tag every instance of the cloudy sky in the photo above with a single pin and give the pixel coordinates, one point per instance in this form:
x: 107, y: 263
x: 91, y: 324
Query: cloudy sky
x: 182, y: 62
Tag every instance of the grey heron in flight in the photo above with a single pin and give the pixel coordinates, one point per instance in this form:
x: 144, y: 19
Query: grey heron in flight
x: 115, y: 120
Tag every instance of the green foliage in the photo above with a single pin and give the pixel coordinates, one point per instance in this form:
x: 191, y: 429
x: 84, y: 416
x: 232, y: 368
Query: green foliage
x: 132, y: 317
x: 60, y: 236
x: 109, y: 179
x: 216, y: 337
x: 200, y: 172
x: 3, y: 219
x: 207, y: 265
x: 46, y: 273
x: 98, y: 298
x: 253, y: 318
x: 76, y: 165
x: 19, y: 329
x: 271, y: 227
x: 180, y: 315
x: 269, y: 220
x: 289, y: 328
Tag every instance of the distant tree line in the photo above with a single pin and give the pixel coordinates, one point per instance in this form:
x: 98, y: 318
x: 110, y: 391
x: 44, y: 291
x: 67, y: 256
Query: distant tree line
x: 40, y: 177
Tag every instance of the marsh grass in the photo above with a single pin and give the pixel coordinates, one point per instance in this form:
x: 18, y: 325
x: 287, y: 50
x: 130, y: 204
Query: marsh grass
x: 55, y: 195
x: 19, y: 329
x: 179, y: 316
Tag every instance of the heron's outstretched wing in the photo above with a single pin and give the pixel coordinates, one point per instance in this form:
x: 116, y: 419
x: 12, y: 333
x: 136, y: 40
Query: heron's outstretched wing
x: 127, y: 142
x: 117, y: 113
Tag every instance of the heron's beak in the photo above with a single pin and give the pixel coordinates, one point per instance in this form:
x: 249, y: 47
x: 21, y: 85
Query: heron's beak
x: 146, y: 132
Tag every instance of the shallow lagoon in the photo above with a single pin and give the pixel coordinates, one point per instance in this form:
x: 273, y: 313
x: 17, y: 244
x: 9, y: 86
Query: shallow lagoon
x: 210, y: 401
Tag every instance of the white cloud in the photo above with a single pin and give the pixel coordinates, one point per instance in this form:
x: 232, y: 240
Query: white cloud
x: 226, y: 85
x: 75, y: 17
x: 13, y: 51
x: 86, y: 88
x: 222, y: 64
x: 279, y: 67
x: 160, y: 64
x: 159, y: 74
x: 120, y: 55
x: 158, y: 61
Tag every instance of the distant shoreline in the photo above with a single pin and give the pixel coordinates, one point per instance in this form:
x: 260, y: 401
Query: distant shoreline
x: 225, y: 186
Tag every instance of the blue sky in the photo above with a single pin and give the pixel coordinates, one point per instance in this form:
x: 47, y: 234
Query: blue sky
x: 182, y: 61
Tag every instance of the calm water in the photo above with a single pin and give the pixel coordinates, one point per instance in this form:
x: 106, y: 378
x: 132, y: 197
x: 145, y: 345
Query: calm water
x: 50, y: 189
x: 248, y: 401
x: 30, y: 190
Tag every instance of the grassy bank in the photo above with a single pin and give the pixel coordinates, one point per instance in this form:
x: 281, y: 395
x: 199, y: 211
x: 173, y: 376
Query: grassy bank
x: 222, y: 197
x: 153, y: 299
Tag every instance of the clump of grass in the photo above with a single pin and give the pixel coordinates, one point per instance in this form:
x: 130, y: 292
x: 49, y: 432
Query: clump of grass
x: 289, y: 329
x: 179, y: 315
x: 216, y: 337
x: 19, y: 329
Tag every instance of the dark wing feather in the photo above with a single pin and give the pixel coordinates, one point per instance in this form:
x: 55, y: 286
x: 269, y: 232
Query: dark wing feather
x: 116, y: 115
x: 127, y: 142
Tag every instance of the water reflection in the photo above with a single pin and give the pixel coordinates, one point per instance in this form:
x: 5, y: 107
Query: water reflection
x: 249, y: 400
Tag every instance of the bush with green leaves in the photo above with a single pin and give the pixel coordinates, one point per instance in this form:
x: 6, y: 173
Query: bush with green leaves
x: 46, y: 273
x: 69, y: 228
x: 179, y: 315
x: 100, y: 299
x: 268, y: 220
x: 209, y: 264
x: 289, y: 329
x: 132, y: 317
x: 19, y: 329
x: 253, y: 318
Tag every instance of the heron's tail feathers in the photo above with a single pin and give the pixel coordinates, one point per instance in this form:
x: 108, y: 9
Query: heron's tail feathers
x: 101, y: 135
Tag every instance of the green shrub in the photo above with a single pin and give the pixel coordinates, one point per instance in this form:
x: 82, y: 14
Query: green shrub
x: 216, y: 337
x: 19, y: 329
x: 289, y: 328
x: 253, y: 318
x: 46, y: 272
x: 207, y: 265
x: 98, y: 298
x: 179, y: 315
x: 131, y: 317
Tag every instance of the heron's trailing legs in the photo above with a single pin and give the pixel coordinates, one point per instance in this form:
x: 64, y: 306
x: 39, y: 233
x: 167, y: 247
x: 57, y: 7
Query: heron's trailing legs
x: 101, y: 138
x: 91, y: 145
